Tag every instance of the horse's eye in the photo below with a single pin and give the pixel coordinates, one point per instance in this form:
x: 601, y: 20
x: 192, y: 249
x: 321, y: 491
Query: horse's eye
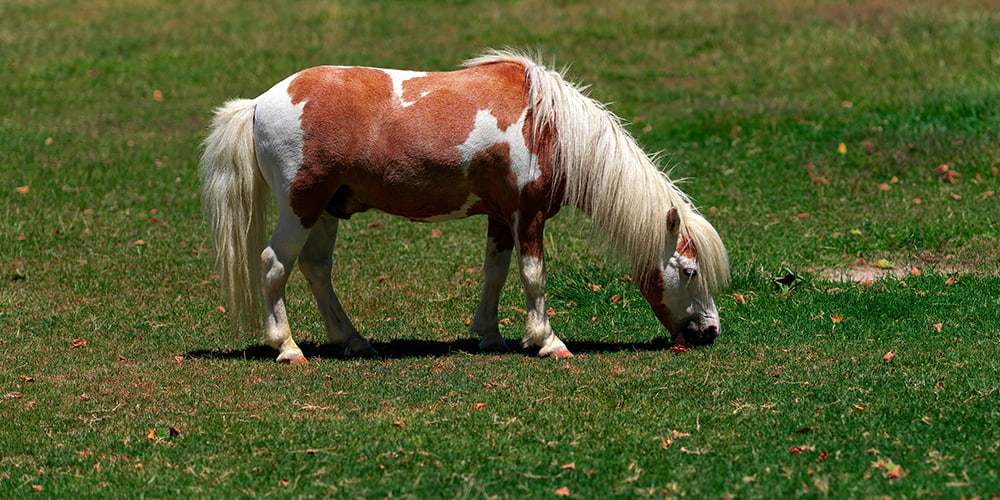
x: 690, y: 272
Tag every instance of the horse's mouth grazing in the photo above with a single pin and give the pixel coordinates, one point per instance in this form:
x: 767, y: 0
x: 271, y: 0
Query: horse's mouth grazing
x: 697, y: 332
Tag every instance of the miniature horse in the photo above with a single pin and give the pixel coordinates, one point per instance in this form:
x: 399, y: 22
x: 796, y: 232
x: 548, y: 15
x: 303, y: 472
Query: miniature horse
x: 504, y: 137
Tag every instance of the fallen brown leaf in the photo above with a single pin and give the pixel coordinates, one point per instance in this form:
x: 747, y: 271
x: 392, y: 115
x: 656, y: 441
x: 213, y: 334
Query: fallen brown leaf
x: 563, y: 492
x: 951, y: 176
x: 894, y: 473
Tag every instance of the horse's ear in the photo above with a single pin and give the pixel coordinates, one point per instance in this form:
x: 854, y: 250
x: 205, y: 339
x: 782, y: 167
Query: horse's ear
x: 673, y: 221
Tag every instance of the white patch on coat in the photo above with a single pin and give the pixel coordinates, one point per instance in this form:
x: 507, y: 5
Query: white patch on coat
x: 398, y: 78
x: 686, y: 297
x: 459, y: 213
x: 486, y: 133
x: 279, y: 138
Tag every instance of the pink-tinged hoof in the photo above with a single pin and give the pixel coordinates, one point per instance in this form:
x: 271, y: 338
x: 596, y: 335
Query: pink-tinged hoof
x: 560, y: 354
x: 294, y: 360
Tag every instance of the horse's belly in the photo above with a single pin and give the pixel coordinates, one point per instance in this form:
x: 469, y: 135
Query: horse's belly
x: 425, y: 198
x: 430, y: 213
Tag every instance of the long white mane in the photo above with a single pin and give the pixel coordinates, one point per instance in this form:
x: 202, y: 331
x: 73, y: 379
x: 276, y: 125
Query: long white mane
x: 607, y: 175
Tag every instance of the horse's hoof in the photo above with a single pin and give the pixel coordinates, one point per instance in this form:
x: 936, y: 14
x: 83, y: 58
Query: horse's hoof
x: 561, y: 353
x: 500, y: 346
x: 298, y: 359
x: 363, y: 352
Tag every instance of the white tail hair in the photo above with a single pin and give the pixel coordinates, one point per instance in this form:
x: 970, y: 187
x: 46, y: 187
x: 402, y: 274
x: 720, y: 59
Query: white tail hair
x: 607, y: 174
x: 234, y: 198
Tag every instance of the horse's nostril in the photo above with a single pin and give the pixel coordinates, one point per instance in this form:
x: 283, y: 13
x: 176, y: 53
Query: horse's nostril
x: 711, y: 332
x: 697, y: 333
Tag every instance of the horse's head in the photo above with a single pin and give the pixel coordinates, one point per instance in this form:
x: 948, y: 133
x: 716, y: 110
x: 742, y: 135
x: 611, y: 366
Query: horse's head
x: 680, y: 288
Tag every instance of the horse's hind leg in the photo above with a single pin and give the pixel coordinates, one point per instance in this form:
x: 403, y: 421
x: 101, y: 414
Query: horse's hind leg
x: 278, y: 258
x: 499, y: 244
x: 317, y: 265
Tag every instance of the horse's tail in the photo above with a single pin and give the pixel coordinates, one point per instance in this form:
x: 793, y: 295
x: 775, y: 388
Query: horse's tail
x: 234, y: 197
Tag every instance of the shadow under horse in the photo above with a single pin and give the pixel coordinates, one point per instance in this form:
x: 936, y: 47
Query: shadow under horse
x: 419, y: 348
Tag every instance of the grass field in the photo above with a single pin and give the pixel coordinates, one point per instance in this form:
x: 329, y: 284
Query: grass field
x: 813, y: 134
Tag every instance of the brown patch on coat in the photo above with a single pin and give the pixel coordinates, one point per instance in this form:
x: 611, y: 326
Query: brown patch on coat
x: 402, y: 160
x: 651, y: 285
x: 686, y: 247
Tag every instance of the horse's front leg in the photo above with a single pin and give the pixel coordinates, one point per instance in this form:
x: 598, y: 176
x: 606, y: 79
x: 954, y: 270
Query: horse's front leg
x: 530, y: 233
x: 499, y: 245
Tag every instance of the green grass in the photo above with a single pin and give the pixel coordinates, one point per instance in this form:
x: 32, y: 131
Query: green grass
x: 747, y: 100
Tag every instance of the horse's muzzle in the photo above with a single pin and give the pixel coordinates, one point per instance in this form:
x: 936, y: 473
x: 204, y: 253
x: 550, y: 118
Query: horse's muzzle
x: 697, y: 331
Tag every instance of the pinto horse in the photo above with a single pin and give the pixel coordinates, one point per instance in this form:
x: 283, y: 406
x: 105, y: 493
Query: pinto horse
x: 503, y: 137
